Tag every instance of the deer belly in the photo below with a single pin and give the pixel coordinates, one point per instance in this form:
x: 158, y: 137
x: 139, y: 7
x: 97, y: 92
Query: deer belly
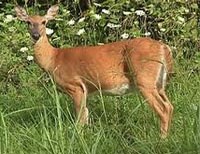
x: 119, y: 89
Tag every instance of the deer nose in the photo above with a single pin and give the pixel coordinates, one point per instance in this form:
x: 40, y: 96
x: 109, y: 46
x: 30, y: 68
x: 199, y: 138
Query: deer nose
x: 35, y: 36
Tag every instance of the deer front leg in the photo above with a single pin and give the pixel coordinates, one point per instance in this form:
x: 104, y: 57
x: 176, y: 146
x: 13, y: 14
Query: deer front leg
x: 79, y: 99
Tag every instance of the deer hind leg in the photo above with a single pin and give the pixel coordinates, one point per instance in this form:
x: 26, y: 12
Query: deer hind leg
x: 160, y: 106
x: 169, y: 107
x: 161, y: 83
x: 79, y: 98
x: 154, y: 92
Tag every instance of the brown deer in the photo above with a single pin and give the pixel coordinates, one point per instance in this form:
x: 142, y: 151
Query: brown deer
x: 114, y: 68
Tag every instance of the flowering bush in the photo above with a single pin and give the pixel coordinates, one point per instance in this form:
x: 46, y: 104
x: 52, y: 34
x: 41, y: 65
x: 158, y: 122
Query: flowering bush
x: 171, y: 22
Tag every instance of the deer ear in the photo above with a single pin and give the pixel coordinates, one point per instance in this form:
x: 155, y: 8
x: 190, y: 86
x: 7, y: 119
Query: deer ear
x: 21, y: 13
x: 52, y: 12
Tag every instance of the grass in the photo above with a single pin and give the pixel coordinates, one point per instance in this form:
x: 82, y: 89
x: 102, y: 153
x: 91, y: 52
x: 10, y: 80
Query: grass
x: 36, y: 118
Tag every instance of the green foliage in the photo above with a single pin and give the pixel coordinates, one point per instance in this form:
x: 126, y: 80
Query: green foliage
x: 36, y: 118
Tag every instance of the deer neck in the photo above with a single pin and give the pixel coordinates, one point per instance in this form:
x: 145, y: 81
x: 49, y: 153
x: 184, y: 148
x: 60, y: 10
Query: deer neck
x: 45, y: 54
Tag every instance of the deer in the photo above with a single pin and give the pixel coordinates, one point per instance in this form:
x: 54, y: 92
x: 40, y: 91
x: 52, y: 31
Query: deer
x: 115, y: 68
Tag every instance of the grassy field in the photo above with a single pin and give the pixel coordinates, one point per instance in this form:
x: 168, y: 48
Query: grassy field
x: 35, y: 118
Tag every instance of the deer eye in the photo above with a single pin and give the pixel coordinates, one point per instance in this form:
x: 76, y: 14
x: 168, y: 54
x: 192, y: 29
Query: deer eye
x: 43, y: 22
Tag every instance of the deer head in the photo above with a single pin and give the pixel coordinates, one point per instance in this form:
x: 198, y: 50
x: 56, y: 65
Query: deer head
x: 37, y: 24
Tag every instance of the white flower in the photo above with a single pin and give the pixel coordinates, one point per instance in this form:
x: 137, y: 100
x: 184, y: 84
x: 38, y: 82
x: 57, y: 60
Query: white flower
x: 162, y: 29
x: 81, y: 19
x: 81, y: 31
x: 49, y: 31
x: 181, y: 19
x: 140, y: 12
x: 23, y: 49
x: 126, y: 13
x: 160, y: 25
x: 174, y: 47
x: 97, y: 16
x: 9, y: 18
x: 111, y: 25
x: 187, y: 10
x: 100, y: 43
x: 71, y: 22
x: 125, y: 36
x: 147, y: 34
x: 30, y: 58
x: 97, y: 4
x: 66, y: 11
x: 105, y: 11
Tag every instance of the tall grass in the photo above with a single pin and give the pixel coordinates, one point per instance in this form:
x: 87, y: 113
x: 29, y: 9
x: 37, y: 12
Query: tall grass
x: 131, y: 127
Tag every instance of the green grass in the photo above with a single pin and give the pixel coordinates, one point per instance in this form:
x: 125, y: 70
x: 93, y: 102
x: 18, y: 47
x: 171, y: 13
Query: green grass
x: 35, y: 118
x: 39, y: 119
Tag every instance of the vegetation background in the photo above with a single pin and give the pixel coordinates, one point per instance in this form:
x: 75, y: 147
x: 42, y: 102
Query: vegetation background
x: 36, y: 118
